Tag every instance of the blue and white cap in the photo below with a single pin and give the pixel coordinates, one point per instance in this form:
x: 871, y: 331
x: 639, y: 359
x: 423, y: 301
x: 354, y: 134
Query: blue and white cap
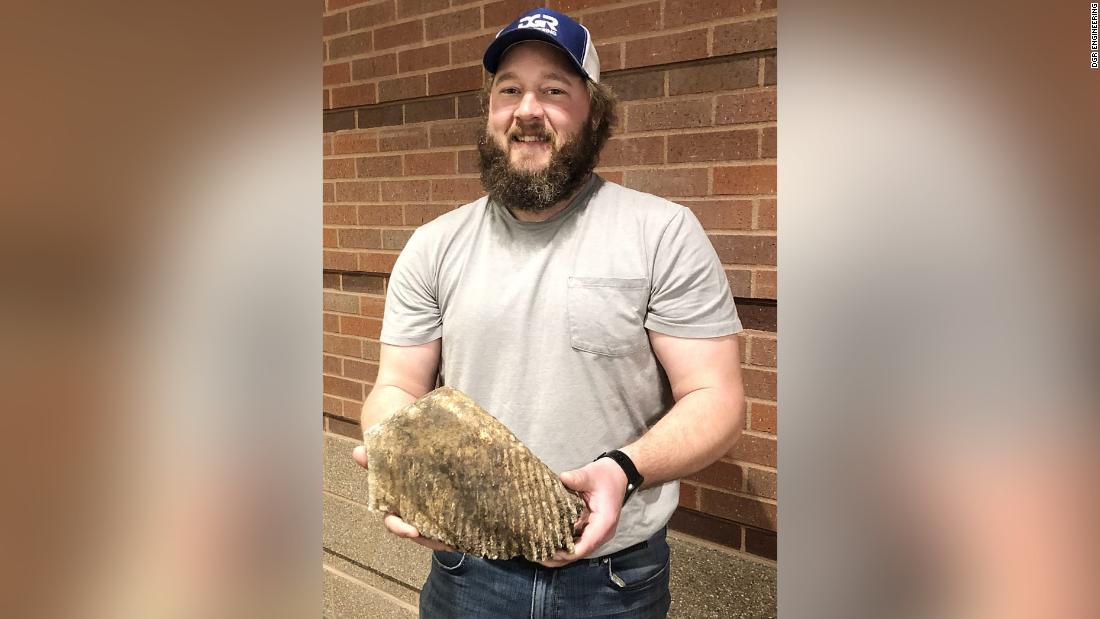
x: 553, y: 27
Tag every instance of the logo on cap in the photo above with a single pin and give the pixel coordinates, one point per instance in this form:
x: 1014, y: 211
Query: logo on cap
x: 538, y: 21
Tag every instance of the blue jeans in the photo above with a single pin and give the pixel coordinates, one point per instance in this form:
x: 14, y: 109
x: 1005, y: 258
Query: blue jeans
x: 627, y: 584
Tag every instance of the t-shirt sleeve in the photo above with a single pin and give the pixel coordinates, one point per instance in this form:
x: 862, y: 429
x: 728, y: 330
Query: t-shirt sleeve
x: 690, y: 294
x: 412, y: 315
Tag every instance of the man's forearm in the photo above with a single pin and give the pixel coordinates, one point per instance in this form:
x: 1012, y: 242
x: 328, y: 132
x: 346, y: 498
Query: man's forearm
x: 382, y: 402
x: 698, y: 430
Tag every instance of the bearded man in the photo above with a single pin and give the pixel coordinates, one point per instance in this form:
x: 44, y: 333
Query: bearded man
x: 594, y: 321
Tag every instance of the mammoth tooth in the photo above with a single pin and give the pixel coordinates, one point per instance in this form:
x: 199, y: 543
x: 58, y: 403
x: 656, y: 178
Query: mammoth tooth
x: 460, y: 476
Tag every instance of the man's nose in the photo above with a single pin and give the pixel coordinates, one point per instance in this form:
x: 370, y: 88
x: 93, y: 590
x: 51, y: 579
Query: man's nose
x: 529, y: 107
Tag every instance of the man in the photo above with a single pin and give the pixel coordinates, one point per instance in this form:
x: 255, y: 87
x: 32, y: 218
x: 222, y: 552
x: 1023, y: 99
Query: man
x: 594, y: 321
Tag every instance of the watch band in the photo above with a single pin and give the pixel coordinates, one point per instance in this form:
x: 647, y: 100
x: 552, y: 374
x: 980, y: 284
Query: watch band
x: 634, y: 479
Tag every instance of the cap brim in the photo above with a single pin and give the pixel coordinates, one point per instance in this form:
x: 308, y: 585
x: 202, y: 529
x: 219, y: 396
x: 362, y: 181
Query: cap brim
x: 496, y: 49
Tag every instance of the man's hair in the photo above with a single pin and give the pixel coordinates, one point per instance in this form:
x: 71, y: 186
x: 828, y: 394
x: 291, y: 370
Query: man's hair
x: 602, y: 113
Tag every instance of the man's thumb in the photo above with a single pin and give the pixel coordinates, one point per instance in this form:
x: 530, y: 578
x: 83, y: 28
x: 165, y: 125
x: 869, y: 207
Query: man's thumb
x: 359, y: 454
x: 573, y: 479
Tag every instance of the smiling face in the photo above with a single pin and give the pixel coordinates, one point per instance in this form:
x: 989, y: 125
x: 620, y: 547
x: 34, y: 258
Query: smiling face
x: 538, y: 104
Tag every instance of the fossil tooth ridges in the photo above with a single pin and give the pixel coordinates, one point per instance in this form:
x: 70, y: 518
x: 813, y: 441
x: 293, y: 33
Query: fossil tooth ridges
x: 459, y: 475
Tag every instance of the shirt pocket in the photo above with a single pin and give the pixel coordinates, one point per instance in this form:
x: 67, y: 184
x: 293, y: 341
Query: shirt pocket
x: 607, y: 314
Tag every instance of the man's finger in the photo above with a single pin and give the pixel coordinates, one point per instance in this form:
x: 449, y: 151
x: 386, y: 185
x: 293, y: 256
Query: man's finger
x: 575, y: 480
x: 359, y: 454
x: 399, y: 527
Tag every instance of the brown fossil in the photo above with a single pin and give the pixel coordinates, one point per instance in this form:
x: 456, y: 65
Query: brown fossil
x: 459, y: 475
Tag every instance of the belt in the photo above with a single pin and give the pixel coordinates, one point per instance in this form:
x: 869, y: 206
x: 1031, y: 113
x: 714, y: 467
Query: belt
x: 642, y: 545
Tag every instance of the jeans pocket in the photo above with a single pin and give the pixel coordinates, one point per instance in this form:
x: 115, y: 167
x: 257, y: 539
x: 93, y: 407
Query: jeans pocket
x: 607, y: 314
x: 450, y: 562
x: 638, y: 570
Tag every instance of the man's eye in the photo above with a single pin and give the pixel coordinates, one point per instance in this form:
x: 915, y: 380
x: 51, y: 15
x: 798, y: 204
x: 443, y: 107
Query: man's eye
x: 509, y: 90
x: 555, y: 91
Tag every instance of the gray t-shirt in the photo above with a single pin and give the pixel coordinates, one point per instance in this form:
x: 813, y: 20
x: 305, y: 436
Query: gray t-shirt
x: 545, y: 324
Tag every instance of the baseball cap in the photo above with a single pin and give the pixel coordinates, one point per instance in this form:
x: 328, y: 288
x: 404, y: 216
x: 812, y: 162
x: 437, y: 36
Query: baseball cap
x: 553, y: 27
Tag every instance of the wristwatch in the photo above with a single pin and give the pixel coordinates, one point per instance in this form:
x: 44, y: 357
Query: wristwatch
x: 634, y: 479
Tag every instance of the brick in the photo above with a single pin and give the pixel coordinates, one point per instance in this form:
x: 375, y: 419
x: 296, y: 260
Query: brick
x: 723, y: 214
x: 359, y: 370
x: 720, y: 474
x: 338, y: 121
x: 349, y: 96
x: 761, y: 543
x: 408, y: 8
x: 456, y: 189
x: 340, y: 4
x: 706, y: 526
x: 403, y: 139
x: 371, y: 350
x: 371, y: 262
x: 469, y: 106
x: 381, y: 116
x: 717, y: 146
x: 681, y: 12
x: 379, y: 215
x: 407, y: 33
x: 633, y: 151
x: 326, y: 144
x: 371, y: 15
x: 648, y: 84
x: 613, y: 177
x: 667, y: 115
x: 668, y: 182
x: 765, y: 214
x: 334, y: 24
x: 711, y: 76
x: 744, y: 249
x: 424, y: 58
x: 611, y: 56
x: 330, y: 364
x: 753, y: 179
x: 740, y: 281
x: 458, y: 133
x: 352, y: 410
x: 762, y: 417
x: 402, y: 88
x: 406, y: 191
x: 768, y: 143
x: 572, y: 6
x: 331, y: 280
x: 350, y: 45
x: 469, y: 50
x: 755, y: 450
x: 373, y: 307
x: 330, y: 238
x: 453, y: 23
x: 664, y: 49
x: 340, y: 260
x: 747, y: 107
x: 382, y: 166
x: 339, y: 168
x: 760, y: 482
x: 689, y: 495
x: 428, y: 164
x: 357, y: 191
x: 395, y: 238
x: 371, y: 284
x: 339, y: 215
x: 355, y: 143
x: 334, y: 74
x: 433, y: 109
x: 742, y: 37
x: 361, y: 238
x: 758, y: 316
x: 455, y: 80
x: 344, y: 428
x: 623, y: 21
x: 418, y: 214
x: 340, y: 345
x: 374, y: 67
x: 343, y: 388
x: 753, y: 512
x: 340, y: 302
x: 500, y: 14
x: 468, y: 162
x: 763, y: 351
x: 328, y: 193
x: 769, y: 71
x: 764, y: 285
x: 359, y: 326
x: 331, y: 405
x: 760, y: 384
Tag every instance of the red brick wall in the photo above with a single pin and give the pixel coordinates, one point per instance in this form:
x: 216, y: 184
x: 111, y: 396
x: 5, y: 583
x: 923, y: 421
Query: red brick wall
x: 697, y: 81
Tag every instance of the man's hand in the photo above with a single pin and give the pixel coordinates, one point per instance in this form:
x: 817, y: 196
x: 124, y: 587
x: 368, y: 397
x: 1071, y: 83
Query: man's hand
x: 602, y: 485
x: 394, y: 523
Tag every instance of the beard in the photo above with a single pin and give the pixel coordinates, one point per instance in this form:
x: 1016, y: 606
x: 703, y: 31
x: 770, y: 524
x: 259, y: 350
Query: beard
x: 535, y: 191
